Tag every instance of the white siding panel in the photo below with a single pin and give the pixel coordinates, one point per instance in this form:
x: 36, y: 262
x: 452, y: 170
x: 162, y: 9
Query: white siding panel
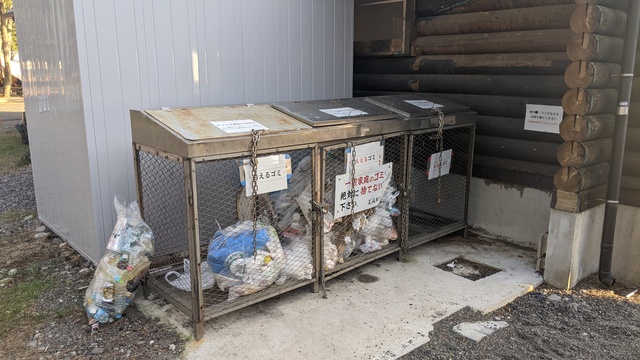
x: 154, y: 53
x: 54, y: 106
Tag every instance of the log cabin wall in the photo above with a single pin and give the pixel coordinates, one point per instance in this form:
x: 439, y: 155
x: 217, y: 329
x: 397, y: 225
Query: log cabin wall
x: 590, y: 105
x: 495, y: 56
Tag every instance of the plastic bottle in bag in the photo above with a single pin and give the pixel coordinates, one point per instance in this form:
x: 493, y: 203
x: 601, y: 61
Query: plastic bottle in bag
x: 121, y: 269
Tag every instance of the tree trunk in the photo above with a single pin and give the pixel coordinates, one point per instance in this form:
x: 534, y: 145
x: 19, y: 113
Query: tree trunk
x: 6, y: 51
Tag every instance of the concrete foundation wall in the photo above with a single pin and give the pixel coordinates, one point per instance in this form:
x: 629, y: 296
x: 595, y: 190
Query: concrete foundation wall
x: 514, y: 213
x: 573, y: 246
x: 626, y: 246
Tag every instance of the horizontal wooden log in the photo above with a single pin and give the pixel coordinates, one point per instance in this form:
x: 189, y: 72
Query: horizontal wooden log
x: 533, y: 18
x: 515, y: 165
x: 441, y: 7
x: 514, y: 85
x: 631, y: 164
x: 512, y: 128
x: 581, y: 154
x: 553, y: 63
x: 504, y: 106
x: 630, y: 197
x: 577, y: 202
x: 614, y: 4
x: 594, y: 47
x: 573, y: 179
x: 492, y: 43
x: 593, y: 75
x: 589, y: 101
x: 378, y: 47
x: 511, y: 177
x: 589, y: 127
x: 597, y: 19
x: 532, y: 151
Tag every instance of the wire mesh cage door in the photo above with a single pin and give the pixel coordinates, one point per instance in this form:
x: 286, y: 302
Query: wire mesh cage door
x: 257, y: 242
x: 362, y: 205
x: 439, y: 178
x: 162, y: 181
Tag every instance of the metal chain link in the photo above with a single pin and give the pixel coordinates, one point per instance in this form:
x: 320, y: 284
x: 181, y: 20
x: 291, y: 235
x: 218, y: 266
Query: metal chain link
x: 440, y: 148
x: 404, y: 221
x: 255, y: 138
x: 353, y: 178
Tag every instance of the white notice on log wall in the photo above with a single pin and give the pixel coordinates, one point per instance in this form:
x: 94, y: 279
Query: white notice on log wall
x: 543, y: 118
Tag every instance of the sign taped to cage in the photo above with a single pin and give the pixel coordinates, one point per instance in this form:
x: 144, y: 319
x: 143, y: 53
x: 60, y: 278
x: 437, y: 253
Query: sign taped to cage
x: 364, y: 193
x: 272, y: 173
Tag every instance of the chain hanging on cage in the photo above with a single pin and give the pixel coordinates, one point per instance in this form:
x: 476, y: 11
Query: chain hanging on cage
x: 404, y: 237
x: 255, y: 138
x: 440, y: 149
x: 353, y: 179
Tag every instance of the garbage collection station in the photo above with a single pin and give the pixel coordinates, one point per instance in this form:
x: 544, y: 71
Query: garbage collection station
x: 250, y: 201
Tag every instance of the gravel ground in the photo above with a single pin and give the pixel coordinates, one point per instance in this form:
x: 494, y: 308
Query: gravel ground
x: 54, y: 324
x: 589, y: 322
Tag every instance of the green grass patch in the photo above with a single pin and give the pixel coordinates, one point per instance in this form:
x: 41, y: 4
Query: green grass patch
x: 12, y: 150
x: 17, y: 300
x: 12, y: 216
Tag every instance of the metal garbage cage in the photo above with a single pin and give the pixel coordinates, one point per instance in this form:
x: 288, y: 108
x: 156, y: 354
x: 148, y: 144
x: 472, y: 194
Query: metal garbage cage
x: 249, y: 202
x: 195, y: 175
x: 439, y: 163
x: 359, y: 184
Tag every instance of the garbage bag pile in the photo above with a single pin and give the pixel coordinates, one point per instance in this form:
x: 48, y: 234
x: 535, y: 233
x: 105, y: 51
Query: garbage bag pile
x: 122, y: 268
x: 236, y: 267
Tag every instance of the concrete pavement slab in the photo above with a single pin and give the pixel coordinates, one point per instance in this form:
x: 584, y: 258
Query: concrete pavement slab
x: 379, y: 311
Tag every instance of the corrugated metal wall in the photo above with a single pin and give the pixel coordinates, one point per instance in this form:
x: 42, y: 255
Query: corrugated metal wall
x: 151, y: 53
x: 54, y: 103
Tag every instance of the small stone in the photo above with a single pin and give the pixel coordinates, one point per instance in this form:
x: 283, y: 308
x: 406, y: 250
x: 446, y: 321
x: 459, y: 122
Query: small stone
x: 57, y: 241
x: 84, y: 271
x: 73, y: 353
x: 33, y: 343
x: 41, y: 235
x: 172, y: 347
x: 151, y: 342
x: 554, y: 297
x: 574, y: 306
x: 97, y: 351
x: 42, y: 348
x: 63, y: 245
x: 478, y: 330
x: 28, y: 217
x: 12, y: 272
x: 7, y: 233
x: 40, y: 229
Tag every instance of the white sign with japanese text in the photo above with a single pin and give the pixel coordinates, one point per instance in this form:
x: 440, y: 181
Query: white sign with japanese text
x: 238, y: 126
x: 423, y: 104
x: 368, y: 157
x: 364, y: 193
x: 543, y: 118
x: 272, y: 172
x: 439, y: 168
x: 343, y: 112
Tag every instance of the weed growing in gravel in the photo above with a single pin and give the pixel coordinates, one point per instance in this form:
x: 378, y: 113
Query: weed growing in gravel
x: 12, y: 150
x: 16, y: 303
x: 12, y: 216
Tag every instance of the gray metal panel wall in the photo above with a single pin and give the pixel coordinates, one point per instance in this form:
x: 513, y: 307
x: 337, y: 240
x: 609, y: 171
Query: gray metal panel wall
x: 54, y: 106
x: 169, y: 53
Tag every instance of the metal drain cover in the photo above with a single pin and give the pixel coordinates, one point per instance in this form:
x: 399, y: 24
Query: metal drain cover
x: 467, y: 268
